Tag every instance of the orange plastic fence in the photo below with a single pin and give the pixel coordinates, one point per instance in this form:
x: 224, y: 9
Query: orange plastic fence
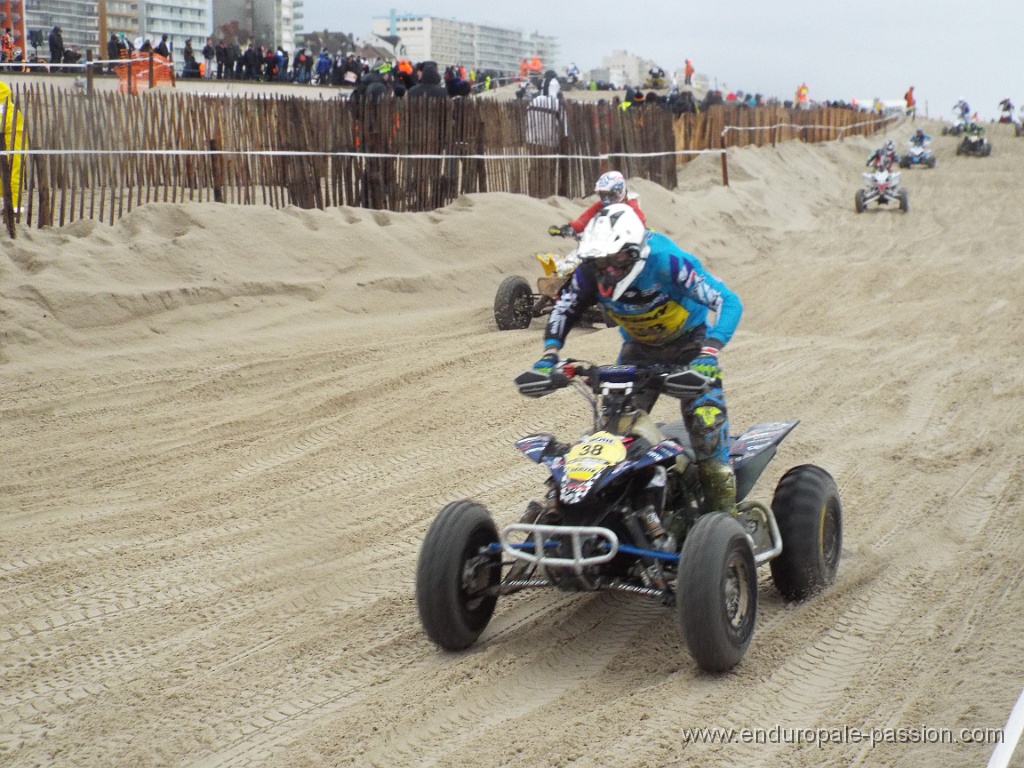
x: 136, y: 75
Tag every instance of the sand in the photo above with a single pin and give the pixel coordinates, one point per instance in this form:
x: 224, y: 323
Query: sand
x: 226, y: 429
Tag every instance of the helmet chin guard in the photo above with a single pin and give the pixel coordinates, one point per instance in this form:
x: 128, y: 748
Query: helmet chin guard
x: 625, y: 282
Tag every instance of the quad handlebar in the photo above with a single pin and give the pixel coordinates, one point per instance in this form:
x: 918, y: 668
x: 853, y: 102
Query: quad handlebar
x: 604, y: 379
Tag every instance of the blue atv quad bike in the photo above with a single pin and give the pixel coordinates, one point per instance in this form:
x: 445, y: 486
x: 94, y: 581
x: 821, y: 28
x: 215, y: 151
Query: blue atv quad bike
x: 622, y: 509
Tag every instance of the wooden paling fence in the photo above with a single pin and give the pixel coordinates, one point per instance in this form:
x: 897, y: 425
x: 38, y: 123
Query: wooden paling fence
x: 96, y: 156
x: 744, y: 126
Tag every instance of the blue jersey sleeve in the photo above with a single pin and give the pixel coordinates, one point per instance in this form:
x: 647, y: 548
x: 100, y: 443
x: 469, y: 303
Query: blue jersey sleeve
x: 698, y: 285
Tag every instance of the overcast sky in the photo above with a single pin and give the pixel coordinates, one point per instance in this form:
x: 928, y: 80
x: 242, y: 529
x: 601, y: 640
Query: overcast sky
x: 842, y: 49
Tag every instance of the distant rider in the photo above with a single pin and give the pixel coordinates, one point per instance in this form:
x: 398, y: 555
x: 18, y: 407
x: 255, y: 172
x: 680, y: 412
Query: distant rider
x: 610, y: 189
x: 884, y: 156
x: 1007, y: 111
x: 920, y: 139
x: 962, y: 109
x: 660, y: 296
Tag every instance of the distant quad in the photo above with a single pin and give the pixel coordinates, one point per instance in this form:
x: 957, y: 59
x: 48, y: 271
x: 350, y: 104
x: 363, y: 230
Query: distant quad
x: 516, y: 304
x: 974, y: 143
x: 917, y: 154
x: 881, y: 185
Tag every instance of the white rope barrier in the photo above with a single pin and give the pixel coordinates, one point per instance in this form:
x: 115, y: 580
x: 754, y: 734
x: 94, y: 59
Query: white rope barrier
x: 363, y: 155
x: 798, y: 127
x: 21, y: 65
x: 83, y: 65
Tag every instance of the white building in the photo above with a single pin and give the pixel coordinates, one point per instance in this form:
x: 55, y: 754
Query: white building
x: 269, y: 22
x: 623, y: 68
x: 77, y: 19
x: 179, y: 19
x: 475, y: 46
x: 122, y: 18
x: 80, y: 22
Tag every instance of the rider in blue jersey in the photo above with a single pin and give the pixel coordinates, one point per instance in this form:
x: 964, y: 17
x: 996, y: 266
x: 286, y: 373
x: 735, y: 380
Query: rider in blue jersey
x: 661, y: 297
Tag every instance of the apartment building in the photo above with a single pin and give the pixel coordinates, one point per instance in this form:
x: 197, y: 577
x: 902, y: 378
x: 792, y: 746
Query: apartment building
x: 122, y: 18
x: 266, y: 22
x: 79, y: 21
x: 180, y: 19
x: 477, y: 46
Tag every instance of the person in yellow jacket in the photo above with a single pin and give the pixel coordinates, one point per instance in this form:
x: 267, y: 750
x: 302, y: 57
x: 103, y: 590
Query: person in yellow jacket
x: 13, y: 124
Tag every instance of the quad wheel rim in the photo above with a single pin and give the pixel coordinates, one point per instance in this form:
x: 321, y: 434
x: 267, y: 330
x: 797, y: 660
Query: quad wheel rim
x: 737, y: 593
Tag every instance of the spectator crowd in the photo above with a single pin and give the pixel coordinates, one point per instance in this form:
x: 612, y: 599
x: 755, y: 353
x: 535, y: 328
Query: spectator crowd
x: 349, y: 70
x: 363, y: 76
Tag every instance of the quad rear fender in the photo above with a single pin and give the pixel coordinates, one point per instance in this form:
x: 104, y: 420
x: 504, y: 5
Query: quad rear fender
x: 751, y: 452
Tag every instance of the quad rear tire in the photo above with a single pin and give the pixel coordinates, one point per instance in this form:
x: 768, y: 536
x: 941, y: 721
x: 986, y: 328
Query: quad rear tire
x: 717, y: 592
x: 810, y: 519
x: 858, y: 201
x: 513, y: 304
x: 455, y: 575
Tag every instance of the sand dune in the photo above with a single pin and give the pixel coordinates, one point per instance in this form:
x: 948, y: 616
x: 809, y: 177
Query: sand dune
x: 226, y: 430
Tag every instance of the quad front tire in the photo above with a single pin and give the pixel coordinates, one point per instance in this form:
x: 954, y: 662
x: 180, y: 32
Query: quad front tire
x: 717, y: 592
x: 904, y: 198
x: 457, y: 575
x: 810, y: 519
x: 858, y: 201
x: 513, y: 304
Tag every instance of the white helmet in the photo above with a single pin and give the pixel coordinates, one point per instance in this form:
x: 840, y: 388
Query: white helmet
x: 611, y: 188
x: 615, y: 245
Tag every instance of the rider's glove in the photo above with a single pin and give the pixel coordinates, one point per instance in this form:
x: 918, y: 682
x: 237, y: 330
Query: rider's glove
x: 563, y: 230
x: 547, y: 363
x: 706, y: 363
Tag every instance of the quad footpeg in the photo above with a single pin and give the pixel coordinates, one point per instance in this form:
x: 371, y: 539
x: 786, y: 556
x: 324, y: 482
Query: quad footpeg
x: 763, y: 532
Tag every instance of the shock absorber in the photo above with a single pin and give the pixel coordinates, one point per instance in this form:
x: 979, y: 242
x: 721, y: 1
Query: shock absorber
x: 652, y: 504
x: 649, y: 569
